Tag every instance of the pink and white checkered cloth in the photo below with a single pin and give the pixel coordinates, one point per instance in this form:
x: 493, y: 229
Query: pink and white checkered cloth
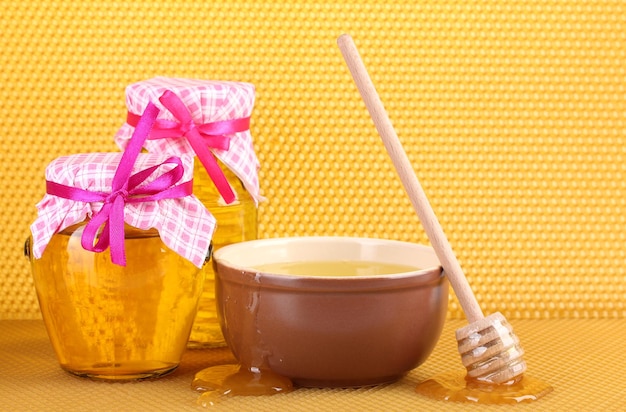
x: 184, y: 224
x: 207, y: 101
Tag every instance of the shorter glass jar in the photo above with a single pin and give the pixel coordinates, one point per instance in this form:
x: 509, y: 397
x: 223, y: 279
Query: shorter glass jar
x: 111, y: 322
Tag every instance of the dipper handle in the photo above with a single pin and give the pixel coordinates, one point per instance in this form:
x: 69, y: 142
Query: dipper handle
x: 411, y: 184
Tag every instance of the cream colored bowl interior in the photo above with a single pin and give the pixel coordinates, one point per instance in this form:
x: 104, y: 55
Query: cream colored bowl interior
x: 249, y: 254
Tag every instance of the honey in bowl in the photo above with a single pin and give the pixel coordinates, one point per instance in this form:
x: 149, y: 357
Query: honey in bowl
x: 332, y: 268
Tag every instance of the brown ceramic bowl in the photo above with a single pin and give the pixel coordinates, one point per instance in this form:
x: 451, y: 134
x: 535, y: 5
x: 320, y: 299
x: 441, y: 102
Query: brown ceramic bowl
x: 330, y: 331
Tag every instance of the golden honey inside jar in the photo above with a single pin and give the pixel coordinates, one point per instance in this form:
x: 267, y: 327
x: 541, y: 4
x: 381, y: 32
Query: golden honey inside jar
x: 113, y: 322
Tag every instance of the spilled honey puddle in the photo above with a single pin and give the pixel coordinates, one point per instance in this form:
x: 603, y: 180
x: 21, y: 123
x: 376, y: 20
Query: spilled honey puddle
x: 218, y: 383
x: 453, y: 386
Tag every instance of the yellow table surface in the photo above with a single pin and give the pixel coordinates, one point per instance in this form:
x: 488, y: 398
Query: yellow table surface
x: 584, y: 360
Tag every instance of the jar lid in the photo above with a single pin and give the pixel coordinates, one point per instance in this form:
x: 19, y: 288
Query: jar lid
x: 216, y: 113
x: 157, y: 194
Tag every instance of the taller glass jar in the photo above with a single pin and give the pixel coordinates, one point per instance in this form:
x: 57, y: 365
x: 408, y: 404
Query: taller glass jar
x: 236, y: 222
x: 210, y: 120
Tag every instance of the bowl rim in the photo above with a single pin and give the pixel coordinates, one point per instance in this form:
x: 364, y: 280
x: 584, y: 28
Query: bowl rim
x: 421, y: 276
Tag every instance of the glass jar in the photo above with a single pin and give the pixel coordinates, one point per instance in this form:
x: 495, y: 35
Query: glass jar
x: 236, y: 222
x: 112, y: 322
x: 209, y: 120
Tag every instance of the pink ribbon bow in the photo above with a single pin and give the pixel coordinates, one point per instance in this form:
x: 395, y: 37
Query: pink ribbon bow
x: 199, y: 136
x: 125, y: 189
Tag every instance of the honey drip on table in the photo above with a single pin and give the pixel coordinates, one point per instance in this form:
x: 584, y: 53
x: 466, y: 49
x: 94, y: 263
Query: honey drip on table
x: 252, y: 376
x: 220, y: 382
x: 454, y: 386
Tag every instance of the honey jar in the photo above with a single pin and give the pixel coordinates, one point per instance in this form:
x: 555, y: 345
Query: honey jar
x: 236, y: 222
x: 209, y: 120
x: 112, y: 322
x: 116, y: 253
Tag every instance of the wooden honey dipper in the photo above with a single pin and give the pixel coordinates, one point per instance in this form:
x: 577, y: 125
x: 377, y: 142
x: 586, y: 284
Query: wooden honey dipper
x: 489, y: 349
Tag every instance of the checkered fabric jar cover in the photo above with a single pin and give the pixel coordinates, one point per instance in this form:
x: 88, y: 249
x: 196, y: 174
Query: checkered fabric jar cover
x: 183, y: 223
x: 207, y: 101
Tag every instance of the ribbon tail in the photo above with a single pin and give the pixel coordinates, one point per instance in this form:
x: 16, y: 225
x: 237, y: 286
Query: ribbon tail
x: 111, y: 219
x: 90, y: 233
x: 116, y: 232
x: 210, y: 164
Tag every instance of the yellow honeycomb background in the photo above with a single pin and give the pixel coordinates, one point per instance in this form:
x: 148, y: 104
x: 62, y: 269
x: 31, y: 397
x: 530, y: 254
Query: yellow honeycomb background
x: 513, y: 114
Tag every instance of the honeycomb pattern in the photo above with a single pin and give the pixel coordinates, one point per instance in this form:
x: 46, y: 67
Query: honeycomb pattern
x: 511, y: 112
